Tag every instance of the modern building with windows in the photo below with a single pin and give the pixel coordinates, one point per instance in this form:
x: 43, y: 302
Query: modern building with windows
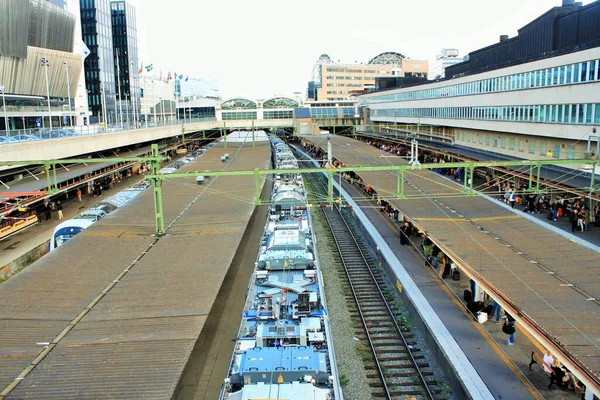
x: 446, y: 58
x: 35, y: 92
x: 532, y: 96
x: 100, y: 80
x: 334, y: 81
x: 124, y: 35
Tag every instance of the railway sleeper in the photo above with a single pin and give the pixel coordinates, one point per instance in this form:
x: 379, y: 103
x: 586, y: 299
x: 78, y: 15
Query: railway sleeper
x: 399, y: 374
x: 400, y: 357
x: 398, y: 348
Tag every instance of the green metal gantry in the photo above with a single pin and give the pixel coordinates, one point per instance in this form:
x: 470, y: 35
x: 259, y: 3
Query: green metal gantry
x: 156, y: 177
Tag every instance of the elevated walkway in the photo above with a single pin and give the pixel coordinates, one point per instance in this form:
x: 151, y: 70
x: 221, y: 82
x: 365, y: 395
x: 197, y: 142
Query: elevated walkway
x: 70, y: 147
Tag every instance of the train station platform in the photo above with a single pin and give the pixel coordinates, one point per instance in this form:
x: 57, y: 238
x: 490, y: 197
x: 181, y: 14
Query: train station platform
x: 547, y: 281
x: 116, y: 311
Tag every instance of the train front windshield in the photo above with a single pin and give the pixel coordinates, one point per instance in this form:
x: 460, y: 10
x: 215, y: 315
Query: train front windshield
x: 65, y: 234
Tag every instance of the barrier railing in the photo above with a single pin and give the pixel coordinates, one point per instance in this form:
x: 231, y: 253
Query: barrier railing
x: 34, y: 134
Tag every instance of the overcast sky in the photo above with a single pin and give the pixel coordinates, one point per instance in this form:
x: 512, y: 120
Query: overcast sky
x: 262, y: 48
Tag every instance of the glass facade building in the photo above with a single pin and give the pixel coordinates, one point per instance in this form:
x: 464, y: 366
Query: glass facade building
x: 29, y: 31
x: 124, y: 34
x: 99, y: 65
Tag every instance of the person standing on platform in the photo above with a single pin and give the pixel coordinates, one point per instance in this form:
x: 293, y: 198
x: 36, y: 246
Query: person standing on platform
x: 512, y: 198
x: 59, y: 209
x: 79, y: 194
x: 48, y: 211
x: 405, y: 232
x: 496, y: 312
x: 509, y: 329
x: 548, y: 361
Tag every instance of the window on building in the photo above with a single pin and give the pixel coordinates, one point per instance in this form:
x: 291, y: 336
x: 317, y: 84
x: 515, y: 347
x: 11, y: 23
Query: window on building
x: 511, y: 144
x: 487, y: 140
x: 543, y: 148
x: 503, y: 142
x: 480, y: 138
x: 556, y: 151
x: 521, y: 145
x: 531, y: 146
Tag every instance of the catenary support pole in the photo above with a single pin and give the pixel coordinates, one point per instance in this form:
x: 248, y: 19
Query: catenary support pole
x: 157, y: 190
x: 537, y: 179
x: 47, y: 169
x: 55, y: 178
x: 330, y: 186
x: 471, y: 179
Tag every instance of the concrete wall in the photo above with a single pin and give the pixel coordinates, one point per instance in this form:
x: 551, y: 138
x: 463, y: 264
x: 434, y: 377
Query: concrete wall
x: 25, y: 260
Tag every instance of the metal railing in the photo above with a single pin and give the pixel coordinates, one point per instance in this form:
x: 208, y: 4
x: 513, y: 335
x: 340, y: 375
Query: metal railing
x: 35, y: 134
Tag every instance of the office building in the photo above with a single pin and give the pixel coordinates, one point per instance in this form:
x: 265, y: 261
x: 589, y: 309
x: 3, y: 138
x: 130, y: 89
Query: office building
x: 446, y: 58
x: 334, y: 81
x: 100, y: 80
x: 533, y: 96
x: 32, y: 30
x: 155, y: 91
x: 124, y: 34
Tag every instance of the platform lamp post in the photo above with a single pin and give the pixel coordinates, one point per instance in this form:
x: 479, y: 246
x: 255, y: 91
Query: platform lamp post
x: 67, y: 68
x: 2, y: 89
x: 45, y: 63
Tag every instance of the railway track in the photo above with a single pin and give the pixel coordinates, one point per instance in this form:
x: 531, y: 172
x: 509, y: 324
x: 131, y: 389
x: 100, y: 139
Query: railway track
x: 396, y: 367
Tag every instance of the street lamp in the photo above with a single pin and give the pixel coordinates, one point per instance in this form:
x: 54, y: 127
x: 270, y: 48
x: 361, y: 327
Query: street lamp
x: 2, y: 89
x: 67, y: 68
x: 46, y: 63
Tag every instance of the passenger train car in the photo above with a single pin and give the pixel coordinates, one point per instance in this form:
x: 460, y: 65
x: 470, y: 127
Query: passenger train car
x: 284, y: 348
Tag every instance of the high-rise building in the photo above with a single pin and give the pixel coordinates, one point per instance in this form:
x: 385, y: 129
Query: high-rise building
x: 124, y: 34
x: 333, y: 81
x: 37, y: 41
x: 446, y: 58
x: 99, y: 65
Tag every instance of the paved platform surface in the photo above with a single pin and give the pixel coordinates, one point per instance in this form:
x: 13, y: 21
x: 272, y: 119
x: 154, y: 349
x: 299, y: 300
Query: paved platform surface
x: 547, y: 276
x: 27, y: 240
x: 120, y: 308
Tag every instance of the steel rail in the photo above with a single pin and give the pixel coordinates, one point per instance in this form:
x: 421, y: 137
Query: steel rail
x: 381, y: 296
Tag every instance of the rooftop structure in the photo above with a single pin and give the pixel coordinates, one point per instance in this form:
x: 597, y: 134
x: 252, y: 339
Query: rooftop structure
x: 561, y: 30
x: 337, y: 81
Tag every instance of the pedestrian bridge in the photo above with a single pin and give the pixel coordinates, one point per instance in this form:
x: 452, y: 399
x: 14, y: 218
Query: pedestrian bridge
x: 86, y: 143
